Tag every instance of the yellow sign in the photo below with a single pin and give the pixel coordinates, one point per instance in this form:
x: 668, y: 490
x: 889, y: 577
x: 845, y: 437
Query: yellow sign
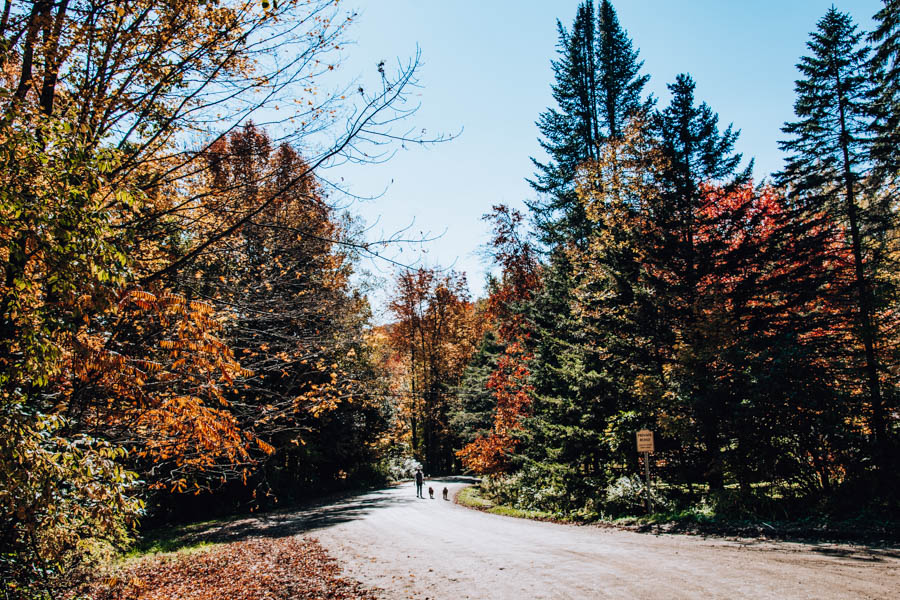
x: 645, y: 440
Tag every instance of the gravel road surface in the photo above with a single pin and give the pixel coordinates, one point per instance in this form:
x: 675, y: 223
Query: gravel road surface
x: 412, y: 548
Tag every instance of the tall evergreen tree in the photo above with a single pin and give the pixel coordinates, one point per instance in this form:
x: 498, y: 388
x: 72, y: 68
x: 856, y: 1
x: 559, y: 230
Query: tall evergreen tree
x: 695, y: 154
x: 886, y: 106
x: 598, y: 85
x: 620, y: 83
x: 829, y: 157
x: 573, y: 396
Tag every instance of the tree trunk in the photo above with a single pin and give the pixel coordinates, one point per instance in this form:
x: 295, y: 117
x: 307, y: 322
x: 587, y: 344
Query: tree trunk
x: 867, y: 326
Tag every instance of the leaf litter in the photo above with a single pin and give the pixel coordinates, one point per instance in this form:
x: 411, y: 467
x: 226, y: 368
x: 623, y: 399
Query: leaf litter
x: 251, y: 569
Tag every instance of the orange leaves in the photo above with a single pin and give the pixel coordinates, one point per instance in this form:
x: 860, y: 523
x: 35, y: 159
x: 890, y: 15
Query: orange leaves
x: 518, y: 282
x: 487, y: 454
x: 253, y: 569
x: 509, y: 382
x: 169, y: 387
x: 192, y: 436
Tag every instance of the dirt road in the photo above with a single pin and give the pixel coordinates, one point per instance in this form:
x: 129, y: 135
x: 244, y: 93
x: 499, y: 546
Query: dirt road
x: 411, y: 548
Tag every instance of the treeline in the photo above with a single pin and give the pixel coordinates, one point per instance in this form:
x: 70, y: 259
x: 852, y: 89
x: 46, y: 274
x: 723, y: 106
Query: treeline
x: 179, y: 333
x: 752, y: 327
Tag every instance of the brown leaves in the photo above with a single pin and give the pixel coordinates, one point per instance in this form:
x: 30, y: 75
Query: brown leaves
x: 257, y: 568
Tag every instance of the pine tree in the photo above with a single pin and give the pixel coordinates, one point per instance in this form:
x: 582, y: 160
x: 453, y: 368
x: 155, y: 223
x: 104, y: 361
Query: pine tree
x: 829, y: 158
x: 885, y: 68
x: 597, y: 87
x: 695, y: 154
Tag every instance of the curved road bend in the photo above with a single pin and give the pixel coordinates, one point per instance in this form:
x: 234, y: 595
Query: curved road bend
x: 411, y: 548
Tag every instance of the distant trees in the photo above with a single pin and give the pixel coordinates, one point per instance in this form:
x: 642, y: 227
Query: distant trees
x: 434, y: 334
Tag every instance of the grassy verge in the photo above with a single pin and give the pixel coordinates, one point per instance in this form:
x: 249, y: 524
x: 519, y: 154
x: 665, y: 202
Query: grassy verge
x: 471, y: 497
x: 198, y: 535
x: 175, y: 539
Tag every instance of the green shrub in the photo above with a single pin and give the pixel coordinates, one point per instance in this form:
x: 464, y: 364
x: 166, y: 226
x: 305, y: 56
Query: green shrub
x: 627, y: 496
x: 66, y: 505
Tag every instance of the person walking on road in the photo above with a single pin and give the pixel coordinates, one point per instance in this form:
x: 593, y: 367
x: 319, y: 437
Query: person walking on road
x: 420, y: 479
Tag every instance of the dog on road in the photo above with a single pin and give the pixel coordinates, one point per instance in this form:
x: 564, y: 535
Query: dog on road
x: 431, y: 492
x: 446, y: 491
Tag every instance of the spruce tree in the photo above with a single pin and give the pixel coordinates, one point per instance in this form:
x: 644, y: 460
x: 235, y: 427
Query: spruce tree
x: 562, y: 449
x: 597, y: 86
x: 600, y: 69
x: 695, y: 154
x: 885, y: 71
x: 620, y: 83
x: 570, y: 132
x: 829, y: 158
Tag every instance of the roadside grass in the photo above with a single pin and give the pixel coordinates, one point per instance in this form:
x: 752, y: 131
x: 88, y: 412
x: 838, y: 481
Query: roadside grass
x: 471, y: 497
x: 182, y: 539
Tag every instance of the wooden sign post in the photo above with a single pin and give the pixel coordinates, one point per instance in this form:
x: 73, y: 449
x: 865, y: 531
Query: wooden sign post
x: 645, y: 445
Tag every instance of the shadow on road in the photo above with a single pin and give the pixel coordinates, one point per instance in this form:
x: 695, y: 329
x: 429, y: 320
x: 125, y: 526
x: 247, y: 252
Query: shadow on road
x: 288, y: 522
x: 851, y: 552
x: 869, y: 554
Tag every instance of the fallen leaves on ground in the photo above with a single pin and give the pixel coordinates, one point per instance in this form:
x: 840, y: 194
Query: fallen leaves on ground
x: 251, y: 569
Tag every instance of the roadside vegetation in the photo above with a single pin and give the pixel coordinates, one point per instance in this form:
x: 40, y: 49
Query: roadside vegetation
x: 753, y: 327
x: 704, y: 519
x: 180, y: 336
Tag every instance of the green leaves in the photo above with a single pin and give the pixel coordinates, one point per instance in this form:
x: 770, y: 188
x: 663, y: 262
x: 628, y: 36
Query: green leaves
x: 63, y: 501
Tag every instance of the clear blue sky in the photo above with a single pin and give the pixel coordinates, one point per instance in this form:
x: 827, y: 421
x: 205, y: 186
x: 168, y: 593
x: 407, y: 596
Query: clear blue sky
x: 486, y: 70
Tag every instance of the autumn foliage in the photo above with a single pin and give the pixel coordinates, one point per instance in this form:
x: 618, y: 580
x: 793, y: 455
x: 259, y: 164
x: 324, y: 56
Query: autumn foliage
x: 510, y: 388
x: 176, y: 311
x: 252, y: 569
x: 509, y: 382
x: 431, y: 341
